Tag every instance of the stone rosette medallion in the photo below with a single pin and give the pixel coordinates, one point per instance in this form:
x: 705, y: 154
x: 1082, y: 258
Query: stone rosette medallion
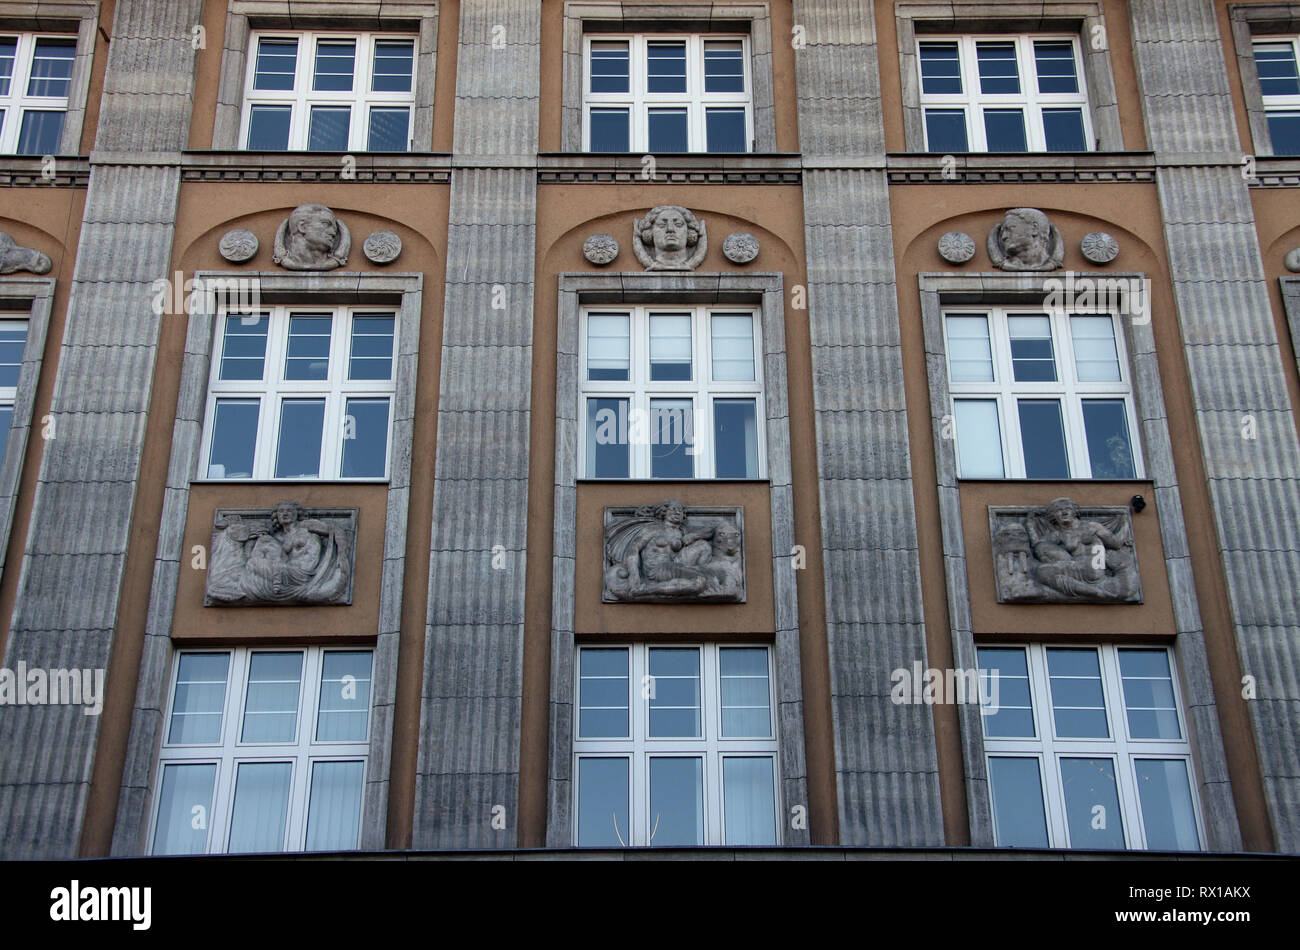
x: 1025, y: 240
x: 956, y: 247
x: 600, y: 249
x: 1061, y: 553
x: 740, y: 247
x: 238, y: 246
x: 1292, y: 260
x: 669, y: 237
x: 1099, y: 247
x: 382, y: 247
x: 670, y: 554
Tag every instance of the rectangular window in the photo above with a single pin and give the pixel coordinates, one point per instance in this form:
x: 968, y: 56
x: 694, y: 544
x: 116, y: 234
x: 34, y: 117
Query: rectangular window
x: 13, y: 340
x: 675, y: 745
x: 300, y: 393
x: 1003, y: 94
x: 1086, y: 749
x: 1279, y: 86
x: 265, y: 750
x: 35, y: 82
x: 1040, y: 395
x: 332, y: 92
x: 671, y: 93
x: 671, y: 392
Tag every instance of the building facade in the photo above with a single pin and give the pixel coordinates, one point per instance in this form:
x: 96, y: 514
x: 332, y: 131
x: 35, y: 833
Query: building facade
x: 498, y: 424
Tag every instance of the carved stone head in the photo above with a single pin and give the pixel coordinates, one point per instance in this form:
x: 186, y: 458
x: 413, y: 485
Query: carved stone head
x: 671, y: 511
x: 312, y: 238
x: 1063, y: 513
x: 669, y: 237
x: 1026, y: 240
x: 286, y: 513
x: 14, y: 258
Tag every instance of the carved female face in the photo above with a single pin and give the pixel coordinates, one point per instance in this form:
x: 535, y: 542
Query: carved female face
x: 1064, y: 516
x: 669, y: 231
x: 285, y: 515
x: 674, y: 514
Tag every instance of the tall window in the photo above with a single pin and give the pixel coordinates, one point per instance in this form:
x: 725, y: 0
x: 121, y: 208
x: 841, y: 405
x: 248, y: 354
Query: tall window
x: 300, y: 392
x: 35, y: 76
x: 1279, y: 85
x: 669, y: 93
x: 675, y: 746
x: 332, y: 92
x: 1003, y: 94
x: 1087, y: 748
x: 1040, y: 395
x: 13, y: 339
x: 672, y: 392
x: 264, y: 750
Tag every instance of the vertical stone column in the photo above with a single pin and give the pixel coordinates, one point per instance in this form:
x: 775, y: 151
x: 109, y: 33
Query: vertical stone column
x: 886, y: 762
x: 1236, y: 370
x: 72, y: 566
x: 473, y: 667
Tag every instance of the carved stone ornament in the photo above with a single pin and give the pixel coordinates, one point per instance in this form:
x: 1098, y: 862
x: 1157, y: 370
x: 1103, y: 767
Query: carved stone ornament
x: 669, y: 238
x: 740, y: 247
x: 238, y: 246
x: 1026, y: 240
x: 600, y: 249
x: 312, y: 238
x: 1099, y: 247
x: 670, y: 554
x: 14, y: 258
x: 956, y: 247
x: 1292, y: 260
x: 1064, y: 554
x: 286, y: 555
x: 382, y: 247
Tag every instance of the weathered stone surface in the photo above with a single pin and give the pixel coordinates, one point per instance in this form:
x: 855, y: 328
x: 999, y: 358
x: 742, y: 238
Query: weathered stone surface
x: 600, y: 249
x: 238, y: 245
x: 668, y: 553
x: 1026, y: 240
x: 382, y: 247
x: 14, y: 258
x: 956, y: 247
x: 312, y: 238
x: 740, y: 247
x: 669, y: 237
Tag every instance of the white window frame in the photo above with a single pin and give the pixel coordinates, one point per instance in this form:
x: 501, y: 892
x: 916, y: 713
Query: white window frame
x: 1274, y: 103
x: 1006, y: 391
x: 273, y: 389
x: 1122, y: 749
x: 230, y: 752
x: 639, y: 748
x: 973, y: 102
x: 639, y: 390
x: 302, y: 98
x: 18, y: 102
x: 638, y: 101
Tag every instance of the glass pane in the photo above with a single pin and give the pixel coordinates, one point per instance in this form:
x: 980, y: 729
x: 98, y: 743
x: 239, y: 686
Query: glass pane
x: 344, y: 696
x: 40, y: 132
x: 674, y: 693
x: 302, y: 422
x: 365, y: 439
x: 1033, y: 359
x: 609, y: 130
x: 672, y: 438
x: 268, y: 128
x: 945, y: 130
x: 726, y: 130
x: 1092, y: 803
x: 271, y: 702
x: 735, y: 438
x: 1078, y: 702
x: 329, y: 128
x: 724, y: 66
x: 6, y: 420
x: 1017, y: 792
x: 609, y: 66
x: 1276, y: 65
x: 979, y: 438
x: 372, y: 347
x: 676, y: 801
x: 1063, y: 130
x: 1004, y: 680
x: 666, y: 66
x: 1054, y: 61
x: 746, y: 694
x: 602, y: 802
x: 999, y: 74
x: 184, y: 809
x: 1149, y: 694
x: 1168, y: 816
x: 261, y: 806
x: 668, y: 130
x: 670, y: 346
x: 234, y: 438
x: 1105, y: 422
x: 13, y: 340
x: 940, y: 69
x: 276, y: 62
x: 749, y: 800
x: 52, y: 67
x: 1096, y: 359
x: 335, y: 64
x: 732, y: 344
x: 1042, y: 434
x: 199, y: 699
x: 243, y: 348
x: 309, y: 347
x: 1004, y: 130
x: 608, y: 453
x: 389, y: 130
x: 393, y: 65
x: 1284, y: 132
x: 334, y: 811
x: 970, y: 355
x: 603, y: 710
x: 608, y: 343
x: 8, y: 53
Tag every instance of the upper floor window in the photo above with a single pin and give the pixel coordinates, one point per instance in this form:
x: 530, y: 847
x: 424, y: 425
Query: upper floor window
x: 1279, y: 86
x: 671, y: 392
x: 35, y: 83
x: 13, y: 339
x: 333, y: 92
x: 1087, y: 748
x: 669, y: 93
x: 300, y: 392
x: 1040, y: 395
x: 1003, y: 94
x: 264, y: 750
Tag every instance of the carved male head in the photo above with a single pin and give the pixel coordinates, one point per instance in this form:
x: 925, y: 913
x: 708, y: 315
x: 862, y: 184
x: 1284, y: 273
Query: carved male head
x: 1026, y: 235
x: 312, y: 238
x: 726, y: 538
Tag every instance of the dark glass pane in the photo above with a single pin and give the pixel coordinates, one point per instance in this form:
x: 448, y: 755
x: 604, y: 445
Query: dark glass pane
x: 609, y: 66
x: 268, y: 128
x: 603, y: 705
x: 1167, y: 813
x: 309, y: 347
x: 1004, y: 129
x: 672, y: 438
x: 1017, y: 791
x: 335, y: 64
x: 1276, y: 65
x: 40, y: 133
x: 940, y: 69
x: 388, y: 130
x: 668, y: 130
x: 609, y: 130
x: 603, y: 802
x: 365, y: 439
x: 1092, y: 803
x: 607, y: 438
x: 945, y: 130
x: 276, y: 61
x: 372, y: 348
x: 1078, y: 700
x: 1004, y: 680
x: 243, y: 351
x: 724, y: 67
x: 8, y: 53
x: 666, y: 66
x: 13, y: 340
x: 1284, y: 132
x: 726, y: 128
x: 1042, y: 433
x: 234, y: 439
x: 1063, y: 130
x: 329, y: 128
x: 6, y: 419
x: 676, y: 801
x: 735, y: 438
x: 393, y: 61
x: 997, y: 66
x: 52, y: 67
x: 1105, y: 422
x: 302, y: 422
x: 1055, y: 64
x: 1033, y: 359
